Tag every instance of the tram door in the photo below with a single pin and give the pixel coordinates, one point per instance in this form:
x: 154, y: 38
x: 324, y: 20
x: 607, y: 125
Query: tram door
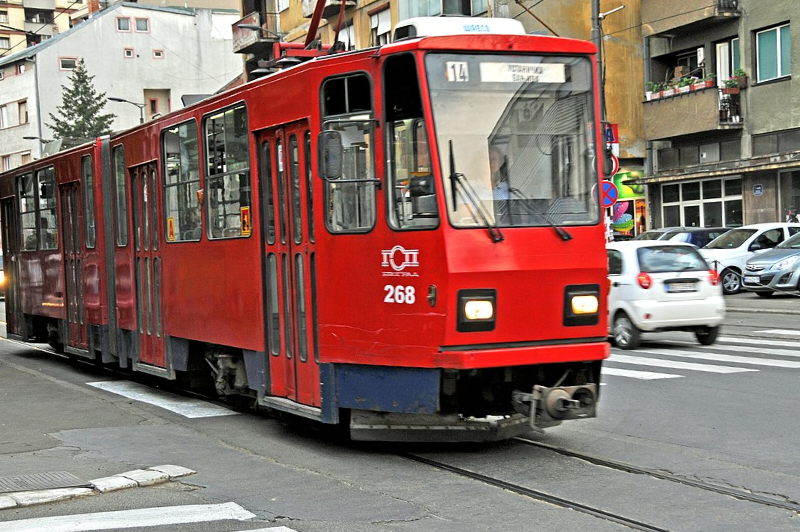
x: 290, y: 259
x: 11, y: 237
x: 73, y: 270
x: 147, y: 265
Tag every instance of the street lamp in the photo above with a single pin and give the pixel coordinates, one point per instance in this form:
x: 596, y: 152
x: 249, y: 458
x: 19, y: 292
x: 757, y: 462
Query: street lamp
x: 139, y: 105
x: 42, y: 143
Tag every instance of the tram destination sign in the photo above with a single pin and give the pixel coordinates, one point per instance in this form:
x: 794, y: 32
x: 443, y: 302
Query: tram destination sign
x: 523, y: 72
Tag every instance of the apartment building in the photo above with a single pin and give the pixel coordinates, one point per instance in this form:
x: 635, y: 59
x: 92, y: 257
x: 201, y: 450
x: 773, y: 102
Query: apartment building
x: 728, y: 153
x: 153, y: 59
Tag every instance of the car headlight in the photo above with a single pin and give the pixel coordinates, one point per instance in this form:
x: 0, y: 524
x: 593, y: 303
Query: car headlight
x: 785, y: 263
x: 476, y: 310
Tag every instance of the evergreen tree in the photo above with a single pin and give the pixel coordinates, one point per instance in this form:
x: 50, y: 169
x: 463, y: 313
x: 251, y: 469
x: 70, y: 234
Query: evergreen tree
x: 80, y: 108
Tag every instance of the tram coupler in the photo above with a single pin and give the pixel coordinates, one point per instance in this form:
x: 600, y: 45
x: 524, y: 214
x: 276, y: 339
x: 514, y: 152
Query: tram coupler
x: 548, y: 407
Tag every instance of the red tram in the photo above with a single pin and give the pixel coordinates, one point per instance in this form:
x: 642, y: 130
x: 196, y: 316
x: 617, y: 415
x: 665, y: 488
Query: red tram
x: 413, y: 248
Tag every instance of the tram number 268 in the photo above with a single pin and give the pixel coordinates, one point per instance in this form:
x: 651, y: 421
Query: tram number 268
x: 399, y: 294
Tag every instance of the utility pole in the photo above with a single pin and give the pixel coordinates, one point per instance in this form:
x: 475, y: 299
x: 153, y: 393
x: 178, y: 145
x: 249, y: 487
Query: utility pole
x: 596, y: 36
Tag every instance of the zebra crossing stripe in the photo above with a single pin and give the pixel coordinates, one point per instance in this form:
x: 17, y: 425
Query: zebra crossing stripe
x: 642, y: 375
x: 731, y: 359
x: 140, y: 518
x: 643, y: 361
x: 758, y: 341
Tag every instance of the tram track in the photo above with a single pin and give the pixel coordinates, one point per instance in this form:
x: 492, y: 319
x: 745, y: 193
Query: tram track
x: 736, y: 493
x: 538, y: 495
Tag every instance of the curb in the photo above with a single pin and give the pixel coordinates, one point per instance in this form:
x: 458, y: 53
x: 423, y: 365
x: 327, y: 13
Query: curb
x: 130, y: 479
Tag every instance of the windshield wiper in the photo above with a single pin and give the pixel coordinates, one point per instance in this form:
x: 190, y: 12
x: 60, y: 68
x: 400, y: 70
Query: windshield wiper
x: 560, y: 231
x: 467, y: 192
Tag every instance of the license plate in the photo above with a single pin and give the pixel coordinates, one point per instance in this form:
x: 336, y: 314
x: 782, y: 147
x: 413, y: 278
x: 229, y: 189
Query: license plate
x: 680, y: 287
x: 751, y: 279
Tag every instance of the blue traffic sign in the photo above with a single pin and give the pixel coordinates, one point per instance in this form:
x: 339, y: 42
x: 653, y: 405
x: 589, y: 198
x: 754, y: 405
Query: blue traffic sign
x: 608, y: 194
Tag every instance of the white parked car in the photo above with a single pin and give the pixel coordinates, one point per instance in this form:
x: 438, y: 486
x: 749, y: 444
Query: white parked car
x: 728, y: 253
x: 658, y: 285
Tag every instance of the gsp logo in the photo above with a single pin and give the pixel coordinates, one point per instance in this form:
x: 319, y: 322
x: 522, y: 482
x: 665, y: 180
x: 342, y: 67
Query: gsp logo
x: 399, y: 258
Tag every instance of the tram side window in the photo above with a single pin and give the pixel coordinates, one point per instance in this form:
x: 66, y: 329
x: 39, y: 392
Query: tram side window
x: 228, y: 184
x: 48, y: 227
x: 350, y: 198
x: 181, y: 183
x: 120, y: 195
x: 88, y: 190
x: 27, y: 212
x: 410, y: 187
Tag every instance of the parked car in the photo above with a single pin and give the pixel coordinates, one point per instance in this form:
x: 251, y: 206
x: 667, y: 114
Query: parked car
x: 657, y: 285
x: 728, y: 253
x: 699, y: 236
x: 776, y: 270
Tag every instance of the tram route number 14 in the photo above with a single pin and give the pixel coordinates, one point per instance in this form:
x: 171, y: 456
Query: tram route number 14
x: 457, y: 71
x: 399, y: 294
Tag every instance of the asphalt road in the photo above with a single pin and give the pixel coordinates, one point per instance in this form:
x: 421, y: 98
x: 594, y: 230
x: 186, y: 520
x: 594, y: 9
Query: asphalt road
x: 721, y: 415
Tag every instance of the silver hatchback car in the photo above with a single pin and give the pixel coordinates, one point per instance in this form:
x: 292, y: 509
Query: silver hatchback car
x: 776, y: 270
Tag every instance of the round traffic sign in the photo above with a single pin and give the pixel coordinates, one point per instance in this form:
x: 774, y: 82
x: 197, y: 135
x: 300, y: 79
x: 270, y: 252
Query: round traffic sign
x: 614, y: 166
x: 608, y: 194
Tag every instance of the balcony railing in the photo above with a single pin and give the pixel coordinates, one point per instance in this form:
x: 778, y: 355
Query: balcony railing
x: 698, y: 111
x: 660, y: 17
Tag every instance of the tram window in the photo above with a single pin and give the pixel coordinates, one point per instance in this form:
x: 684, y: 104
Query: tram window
x: 88, y: 201
x: 410, y: 185
x: 273, y: 306
x: 297, y: 210
x: 267, y: 202
x: 121, y: 195
x: 27, y: 212
x: 228, y: 183
x: 48, y: 225
x: 309, y: 189
x: 181, y: 183
x: 351, y: 197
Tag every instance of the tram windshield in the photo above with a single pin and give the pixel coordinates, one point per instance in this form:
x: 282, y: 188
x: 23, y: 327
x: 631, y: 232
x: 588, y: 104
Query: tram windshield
x: 519, y: 132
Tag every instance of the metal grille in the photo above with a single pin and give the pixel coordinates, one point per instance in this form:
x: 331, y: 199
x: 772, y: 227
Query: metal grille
x: 41, y: 481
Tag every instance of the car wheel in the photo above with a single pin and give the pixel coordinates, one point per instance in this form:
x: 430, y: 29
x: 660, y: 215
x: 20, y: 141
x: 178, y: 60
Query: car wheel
x: 707, y: 335
x: 626, y: 335
x: 765, y: 294
x: 731, y: 281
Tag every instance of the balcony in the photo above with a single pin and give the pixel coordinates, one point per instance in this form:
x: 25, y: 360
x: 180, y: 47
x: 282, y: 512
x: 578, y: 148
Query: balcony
x: 659, y: 16
x: 331, y: 8
x: 47, y: 5
x: 255, y: 33
x: 698, y: 111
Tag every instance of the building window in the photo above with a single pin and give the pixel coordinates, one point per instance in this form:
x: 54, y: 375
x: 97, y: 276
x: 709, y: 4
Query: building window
x: 128, y: 52
x: 142, y: 25
x: 6, y: 163
x: 68, y: 63
x: 347, y: 36
x: 3, y: 116
x: 707, y: 203
x: 158, y: 54
x: 380, y: 25
x: 283, y: 5
x: 727, y: 59
x: 2, y: 73
x: 4, y: 16
x: 23, y: 112
x: 5, y: 43
x: 773, y: 53
x: 123, y: 24
x: 21, y: 68
x: 26, y: 158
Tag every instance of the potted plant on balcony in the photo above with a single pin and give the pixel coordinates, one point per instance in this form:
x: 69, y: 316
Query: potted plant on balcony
x: 709, y: 80
x: 684, y: 85
x: 667, y: 90
x: 730, y: 86
x: 741, y: 78
x: 652, y: 90
x: 698, y: 83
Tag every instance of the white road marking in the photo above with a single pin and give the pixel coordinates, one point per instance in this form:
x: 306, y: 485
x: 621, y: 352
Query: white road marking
x: 753, y: 350
x: 143, y: 517
x: 643, y: 361
x: 731, y: 359
x: 642, y: 375
x: 788, y: 332
x: 758, y: 341
x: 185, y: 406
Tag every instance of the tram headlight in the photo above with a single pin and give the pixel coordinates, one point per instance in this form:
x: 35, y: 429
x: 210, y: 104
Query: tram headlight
x: 477, y: 309
x: 581, y: 305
